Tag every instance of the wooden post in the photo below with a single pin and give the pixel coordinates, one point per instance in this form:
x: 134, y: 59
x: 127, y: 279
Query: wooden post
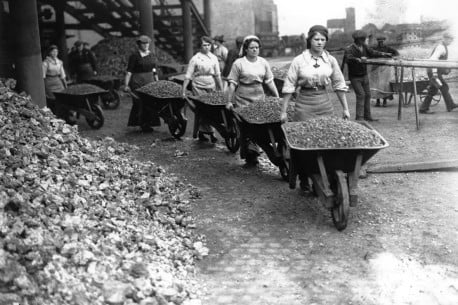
x: 29, y: 70
x: 59, y: 7
x: 207, y: 15
x: 417, y: 121
x: 146, y: 20
x: 401, y: 94
x: 187, y: 29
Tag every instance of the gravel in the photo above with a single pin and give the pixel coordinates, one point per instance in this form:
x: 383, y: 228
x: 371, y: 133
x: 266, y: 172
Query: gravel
x: 83, y: 222
x: 83, y: 89
x: 264, y: 112
x: 162, y: 89
x: 330, y: 132
x: 212, y: 98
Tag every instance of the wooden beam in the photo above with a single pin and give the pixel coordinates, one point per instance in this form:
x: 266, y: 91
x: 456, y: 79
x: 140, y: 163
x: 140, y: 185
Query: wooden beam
x: 414, y: 166
x: 418, y: 63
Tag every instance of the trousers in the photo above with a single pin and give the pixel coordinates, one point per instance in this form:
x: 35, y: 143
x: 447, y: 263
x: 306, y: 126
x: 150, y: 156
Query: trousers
x: 363, y: 96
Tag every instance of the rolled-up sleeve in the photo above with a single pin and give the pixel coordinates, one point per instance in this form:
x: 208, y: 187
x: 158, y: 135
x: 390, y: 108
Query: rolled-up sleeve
x: 337, y: 78
x: 269, y: 77
x: 45, y: 68
x: 290, y: 83
x: 234, y: 75
x: 216, y: 69
x: 191, y: 68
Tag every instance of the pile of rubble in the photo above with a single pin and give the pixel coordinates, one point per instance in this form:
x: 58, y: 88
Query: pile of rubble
x: 84, y: 223
x: 113, y: 54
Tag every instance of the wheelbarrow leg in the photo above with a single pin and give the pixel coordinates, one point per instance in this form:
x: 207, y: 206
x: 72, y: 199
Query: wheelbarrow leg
x: 232, y: 132
x: 341, y: 208
x: 353, y: 181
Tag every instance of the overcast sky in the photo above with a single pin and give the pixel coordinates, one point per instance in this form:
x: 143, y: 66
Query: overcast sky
x: 297, y: 16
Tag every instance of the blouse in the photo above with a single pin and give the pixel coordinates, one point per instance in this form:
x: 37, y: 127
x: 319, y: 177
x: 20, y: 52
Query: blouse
x: 202, y: 69
x: 53, y: 67
x: 310, y: 72
x: 141, y: 63
x: 246, y: 72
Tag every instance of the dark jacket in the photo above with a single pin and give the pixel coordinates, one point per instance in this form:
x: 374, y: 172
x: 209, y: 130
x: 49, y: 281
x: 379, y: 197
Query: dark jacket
x: 352, y: 53
x: 231, y: 57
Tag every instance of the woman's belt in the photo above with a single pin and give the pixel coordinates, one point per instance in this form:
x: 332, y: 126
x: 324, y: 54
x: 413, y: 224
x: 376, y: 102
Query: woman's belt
x: 313, y: 88
x: 250, y: 85
x: 47, y: 75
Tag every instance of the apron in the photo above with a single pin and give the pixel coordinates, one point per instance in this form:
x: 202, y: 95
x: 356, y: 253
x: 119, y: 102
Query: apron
x: 311, y: 103
x: 84, y: 72
x: 246, y: 94
x: 53, y: 84
x: 203, y: 126
x: 379, y: 79
x: 142, y: 114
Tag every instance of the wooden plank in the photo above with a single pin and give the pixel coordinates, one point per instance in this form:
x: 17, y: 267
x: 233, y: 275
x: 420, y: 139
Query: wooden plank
x: 418, y: 63
x: 414, y: 166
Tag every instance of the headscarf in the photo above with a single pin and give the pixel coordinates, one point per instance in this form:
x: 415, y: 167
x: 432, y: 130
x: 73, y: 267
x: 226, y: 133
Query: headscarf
x: 249, y: 37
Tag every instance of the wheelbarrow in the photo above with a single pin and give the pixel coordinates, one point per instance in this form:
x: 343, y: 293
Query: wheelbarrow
x: 217, y: 116
x: 83, y: 101
x: 170, y: 109
x: 408, y: 90
x: 269, y: 136
x: 111, y: 99
x: 334, y: 173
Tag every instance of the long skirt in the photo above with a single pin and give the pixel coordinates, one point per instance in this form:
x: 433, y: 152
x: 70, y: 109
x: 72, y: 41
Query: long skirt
x: 379, y: 80
x: 204, y: 127
x: 141, y: 113
x: 53, y: 84
x: 311, y: 103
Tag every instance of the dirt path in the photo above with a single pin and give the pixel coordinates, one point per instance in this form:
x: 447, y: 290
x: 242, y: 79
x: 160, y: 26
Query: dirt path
x: 272, y: 245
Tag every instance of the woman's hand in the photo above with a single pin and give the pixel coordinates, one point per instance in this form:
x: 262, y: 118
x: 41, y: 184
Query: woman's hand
x: 283, y: 117
x: 346, y: 115
x: 229, y: 106
x: 127, y: 89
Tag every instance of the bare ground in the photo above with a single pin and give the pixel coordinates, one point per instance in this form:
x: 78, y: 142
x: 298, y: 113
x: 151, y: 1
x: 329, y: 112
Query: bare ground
x: 272, y: 245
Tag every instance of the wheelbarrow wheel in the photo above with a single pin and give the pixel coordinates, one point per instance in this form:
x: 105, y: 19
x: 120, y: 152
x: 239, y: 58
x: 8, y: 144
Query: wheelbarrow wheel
x: 111, y: 100
x: 96, y: 122
x: 341, y: 208
x: 177, y: 126
x: 232, y: 138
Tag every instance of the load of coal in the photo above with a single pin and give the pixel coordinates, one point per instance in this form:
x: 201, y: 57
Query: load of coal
x: 265, y: 111
x: 212, y: 98
x: 330, y: 132
x: 83, y: 89
x: 113, y: 53
x: 162, y: 89
x: 84, y: 222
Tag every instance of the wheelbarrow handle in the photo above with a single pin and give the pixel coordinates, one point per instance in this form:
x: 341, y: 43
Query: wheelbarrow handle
x: 190, y: 103
x: 235, y: 114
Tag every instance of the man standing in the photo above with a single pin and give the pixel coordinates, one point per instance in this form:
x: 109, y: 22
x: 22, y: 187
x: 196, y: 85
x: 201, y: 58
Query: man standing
x: 220, y: 51
x: 436, y: 79
x: 82, y: 63
x: 382, y: 74
x: 357, y: 73
x: 232, y: 55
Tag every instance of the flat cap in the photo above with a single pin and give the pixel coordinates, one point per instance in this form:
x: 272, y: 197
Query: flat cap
x: 359, y: 34
x: 143, y: 39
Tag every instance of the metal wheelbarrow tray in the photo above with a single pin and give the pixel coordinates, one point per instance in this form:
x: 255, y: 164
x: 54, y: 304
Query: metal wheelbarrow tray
x: 85, y: 103
x: 167, y: 108
x: 269, y: 136
x: 111, y: 99
x: 334, y: 173
x: 219, y: 117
